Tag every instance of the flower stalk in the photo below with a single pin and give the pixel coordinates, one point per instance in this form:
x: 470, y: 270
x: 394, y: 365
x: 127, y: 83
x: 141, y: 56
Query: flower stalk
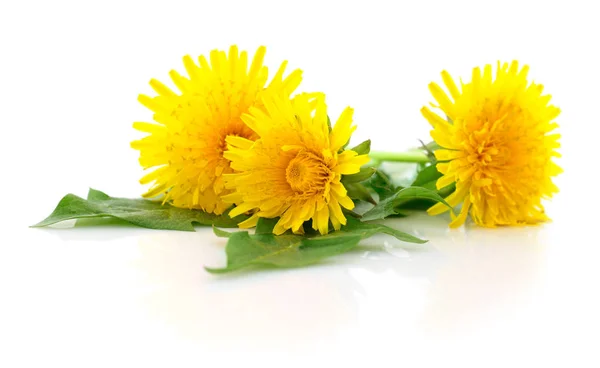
x: 415, y: 156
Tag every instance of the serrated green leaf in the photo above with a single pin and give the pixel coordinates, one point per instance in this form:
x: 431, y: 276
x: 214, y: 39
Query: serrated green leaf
x: 363, y: 148
x: 139, y: 212
x: 364, y: 174
x: 288, y: 250
x: 359, y: 192
x: 352, y: 213
x: 389, y: 205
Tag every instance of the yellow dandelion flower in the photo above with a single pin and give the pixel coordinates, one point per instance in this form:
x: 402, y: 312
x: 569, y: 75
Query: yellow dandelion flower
x: 186, y: 144
x: 496, y: 146
x: 293, y: 170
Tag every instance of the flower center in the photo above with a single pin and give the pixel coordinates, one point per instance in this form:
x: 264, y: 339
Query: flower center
x: 307, y: 173
x: 484, y: 154
x: 488, y: 146
x: 235, y: 130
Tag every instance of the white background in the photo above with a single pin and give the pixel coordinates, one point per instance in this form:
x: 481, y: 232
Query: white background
x: 70, y: 73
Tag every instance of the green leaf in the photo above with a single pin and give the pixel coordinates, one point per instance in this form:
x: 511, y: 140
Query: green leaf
x: 360, y: 192
x: 221, y: 233
x: 381, y: 184
x: 388, y: 206
x: 244, y: 249
x: 426, y: 178
x: 422, y: 204
x: 363, y: 148
x: 265, y: 226
x: 96, y: 195
x: 364, y: 174
x: 369, y: 229
x: 139, y: 212
x: 288, y: 250
x: 427, y: 175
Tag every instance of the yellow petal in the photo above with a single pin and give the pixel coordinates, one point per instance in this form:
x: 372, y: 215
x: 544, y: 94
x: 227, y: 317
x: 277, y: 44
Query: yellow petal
x: 443, y: 100
x: 249, y: 223
x: 445, y: 180
x: 323, y: 220
x: 161, y: 89
x: 342, y: 130
x: 460, y: 219
x: 449, y: 82
x: 239, y: 142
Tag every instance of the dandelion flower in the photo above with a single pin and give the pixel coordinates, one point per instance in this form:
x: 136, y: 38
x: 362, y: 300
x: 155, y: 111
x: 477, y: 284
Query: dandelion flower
x: 294, y: 168
x: 185, y: 145
x: 497, y: 146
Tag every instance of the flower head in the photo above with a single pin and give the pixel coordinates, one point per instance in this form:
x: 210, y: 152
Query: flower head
x: 293, y: 170
x: 496, y: 146
x: 186, y: 144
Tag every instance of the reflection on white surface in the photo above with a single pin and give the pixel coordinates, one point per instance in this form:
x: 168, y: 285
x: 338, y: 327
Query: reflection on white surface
x: 134, y: 290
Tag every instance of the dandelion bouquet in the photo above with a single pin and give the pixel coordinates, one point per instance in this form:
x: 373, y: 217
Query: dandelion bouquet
x: 233, y: 148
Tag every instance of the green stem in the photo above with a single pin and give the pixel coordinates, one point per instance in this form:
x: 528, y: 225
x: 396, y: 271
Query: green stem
x: 410, y: 156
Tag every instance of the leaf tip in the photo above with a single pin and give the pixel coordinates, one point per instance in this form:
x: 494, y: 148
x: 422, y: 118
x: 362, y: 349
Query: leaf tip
x: 220, y: 233
x: 45, y: 222
x: 216, y: 271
